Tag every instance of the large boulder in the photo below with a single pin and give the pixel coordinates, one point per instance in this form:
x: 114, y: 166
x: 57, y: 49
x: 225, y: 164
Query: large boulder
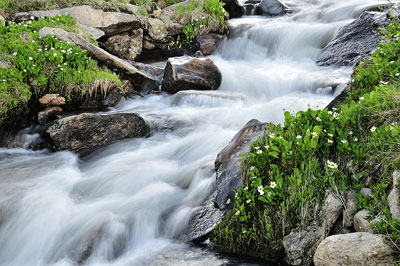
x: 227, y: 166
x: 393, y: 198
x: 355, y: 41
x: 354, y: 249
x: 189, y: 73
x: 300, y: 246
x: 208, y: 42
x: 110, y: 23
x: 272, y: 8
x: 126, y: 45
x: 85, y: 131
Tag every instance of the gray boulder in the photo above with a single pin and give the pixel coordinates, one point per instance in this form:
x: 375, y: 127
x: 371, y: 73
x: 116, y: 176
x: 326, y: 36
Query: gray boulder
x: 228, y: 178
x: 362, y: 221
x: 189, y: 73
x: 350, y: 208
x: 354, y: 249
x: 2, y: 21
x: 126, y: 45
x: 393, y: 198
x: 300, y: 246
x: 355, y: 41
x: 110, y: 23
x: 272, y: 8
x: 85, y: 131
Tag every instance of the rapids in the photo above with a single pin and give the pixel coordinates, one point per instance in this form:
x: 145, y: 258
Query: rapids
x: 129, y: 202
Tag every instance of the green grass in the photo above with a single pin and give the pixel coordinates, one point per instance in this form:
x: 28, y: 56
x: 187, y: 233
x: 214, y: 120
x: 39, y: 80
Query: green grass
x: 286, y: 173
x: 46, y: 65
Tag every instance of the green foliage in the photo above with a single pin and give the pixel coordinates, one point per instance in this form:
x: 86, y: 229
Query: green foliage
x: 287, y: 173
x: 41, y: 65
x: 200, y: 17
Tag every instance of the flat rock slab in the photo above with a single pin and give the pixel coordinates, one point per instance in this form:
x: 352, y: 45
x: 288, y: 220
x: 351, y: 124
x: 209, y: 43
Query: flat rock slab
x: 85, y: 131
x: 355, y: 41
x: 109, y: 22
x: 354, y: 249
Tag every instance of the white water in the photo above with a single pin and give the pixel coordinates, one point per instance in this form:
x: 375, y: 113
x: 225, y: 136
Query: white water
x: 130, y: 201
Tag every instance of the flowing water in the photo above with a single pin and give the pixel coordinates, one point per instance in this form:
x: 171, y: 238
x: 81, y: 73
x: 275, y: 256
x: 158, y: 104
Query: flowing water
x: 128, y: 203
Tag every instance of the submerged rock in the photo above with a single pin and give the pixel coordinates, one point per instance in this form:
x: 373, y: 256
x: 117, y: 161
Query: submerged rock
x: 354, y: 249
x: 85, y: 131
x: 189, y: 73
x: 272, y: 8
x: 355, y: 41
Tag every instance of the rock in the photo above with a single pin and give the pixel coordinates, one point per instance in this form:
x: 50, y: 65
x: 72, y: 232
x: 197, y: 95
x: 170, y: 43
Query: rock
x: 136, y: 76
x: 208, y: 42
x: 52, y: 100
x: 234, y: 9
x: 355, y: 41
x: 354, y: 249
x: 350, y: 208
x: 157, y: 29
x: 21, y: 16
x: 110, y: 23
x: 127, y: 45
x: 229, y: 177
x: 85, y: 131
x: 2, y: 21
x: 367, y: 193
x: 393, y: 198
x: 173, y: 28
x: 362, y: 221
x: 188, y: 73
x: 272, y: 8
x: 300, y: 246
x: 48, y: 114
x: 92, y: 31
x: 227, y: 164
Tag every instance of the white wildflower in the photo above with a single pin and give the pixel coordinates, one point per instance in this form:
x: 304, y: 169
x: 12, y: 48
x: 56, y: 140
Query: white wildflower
x: 373, y: 129
x: 273, y: 184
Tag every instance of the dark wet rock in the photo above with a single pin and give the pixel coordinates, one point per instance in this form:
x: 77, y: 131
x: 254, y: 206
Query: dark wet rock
x: 227, y: 164
x: 208, y: 42
x: 393, y: 198
x: 354, y: 249
x: 300, y: 246
x: 49, y: 114
x: 188, y: 73
x: 272, y: 8
x: 354, y: 42
x: 204, y: 220
x: 234, y: 9
x: 85, y: 131
x: 127, y: 45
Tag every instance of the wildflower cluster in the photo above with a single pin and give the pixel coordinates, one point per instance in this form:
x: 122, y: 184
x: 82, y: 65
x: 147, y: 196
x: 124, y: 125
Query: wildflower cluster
x: 41, y: 65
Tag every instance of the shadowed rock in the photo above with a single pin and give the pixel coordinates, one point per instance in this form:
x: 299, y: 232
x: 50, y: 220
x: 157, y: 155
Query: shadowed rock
x: 84, y: 131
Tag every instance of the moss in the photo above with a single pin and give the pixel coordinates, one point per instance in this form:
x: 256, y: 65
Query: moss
x: 287, y: 173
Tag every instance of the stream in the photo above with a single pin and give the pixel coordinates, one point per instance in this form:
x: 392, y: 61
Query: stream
x: 128, y: 203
